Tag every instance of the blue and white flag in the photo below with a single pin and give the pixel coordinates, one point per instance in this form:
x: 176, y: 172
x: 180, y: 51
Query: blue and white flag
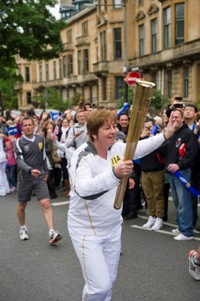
x: 123, y: 109
x: 54, y: 115
x: 13, y: 130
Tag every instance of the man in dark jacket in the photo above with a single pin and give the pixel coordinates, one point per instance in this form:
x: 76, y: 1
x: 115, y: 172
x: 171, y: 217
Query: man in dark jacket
x: 181, y: 150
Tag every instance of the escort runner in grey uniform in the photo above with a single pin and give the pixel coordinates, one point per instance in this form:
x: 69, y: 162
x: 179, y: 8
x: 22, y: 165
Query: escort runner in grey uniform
x: 32, y: 176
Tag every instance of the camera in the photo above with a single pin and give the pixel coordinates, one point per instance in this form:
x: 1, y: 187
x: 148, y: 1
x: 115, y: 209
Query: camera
x: 178, y: 105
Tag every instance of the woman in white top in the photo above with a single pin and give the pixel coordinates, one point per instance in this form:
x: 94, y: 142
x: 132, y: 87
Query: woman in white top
x: 94, y: 225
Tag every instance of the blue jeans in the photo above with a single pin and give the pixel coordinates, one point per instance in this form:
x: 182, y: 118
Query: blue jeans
x: 182, y: 198
x: 12, y: 176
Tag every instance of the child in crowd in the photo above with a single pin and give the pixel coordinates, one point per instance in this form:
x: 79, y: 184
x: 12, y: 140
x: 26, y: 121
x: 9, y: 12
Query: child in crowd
x: 194, y: 264
x: 4, y: 186
x: 11, y: 165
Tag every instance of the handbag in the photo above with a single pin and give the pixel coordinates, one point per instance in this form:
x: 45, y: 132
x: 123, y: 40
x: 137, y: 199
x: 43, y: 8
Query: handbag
x: 56, y: 158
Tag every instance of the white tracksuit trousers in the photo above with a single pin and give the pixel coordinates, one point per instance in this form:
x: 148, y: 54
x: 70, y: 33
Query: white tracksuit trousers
x: 99, y: 258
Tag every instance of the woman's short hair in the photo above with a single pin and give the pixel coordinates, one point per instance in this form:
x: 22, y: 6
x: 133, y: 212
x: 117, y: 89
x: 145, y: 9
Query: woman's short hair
x: 96, y: 119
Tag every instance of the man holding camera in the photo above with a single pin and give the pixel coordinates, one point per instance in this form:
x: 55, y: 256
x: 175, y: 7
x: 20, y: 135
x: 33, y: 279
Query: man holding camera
x: 177, y: 103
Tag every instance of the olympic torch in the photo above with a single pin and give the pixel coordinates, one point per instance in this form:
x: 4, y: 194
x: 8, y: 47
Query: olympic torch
x: 141, y: 102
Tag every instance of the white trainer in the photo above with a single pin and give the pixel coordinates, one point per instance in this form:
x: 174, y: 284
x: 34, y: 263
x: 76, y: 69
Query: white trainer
x: 182, y: 237
x: 150, y: 222
x: 158, y: 224
x: 176, y: 231
x: 23, y: 234
x: 194, y: 269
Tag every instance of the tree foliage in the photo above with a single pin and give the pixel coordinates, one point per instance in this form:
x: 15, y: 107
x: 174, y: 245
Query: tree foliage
x: 49, y: 98
x: 158, y: 100
x: 28, y: 28
x: 9, y: 97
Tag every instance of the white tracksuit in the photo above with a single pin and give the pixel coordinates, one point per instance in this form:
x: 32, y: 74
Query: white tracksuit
x: 94, y: 225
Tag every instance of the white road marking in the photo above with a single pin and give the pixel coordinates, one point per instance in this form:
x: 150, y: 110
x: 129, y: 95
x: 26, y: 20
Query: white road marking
x: 60, y: 203
x: 162, y: 231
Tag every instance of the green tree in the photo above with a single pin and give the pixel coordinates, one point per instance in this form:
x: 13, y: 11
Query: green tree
x: 158, y: 100
x: 50, y: 98
x: 76, y: 100
x: 27, y: 28
x: 9, y: 97
x: 120, y: 102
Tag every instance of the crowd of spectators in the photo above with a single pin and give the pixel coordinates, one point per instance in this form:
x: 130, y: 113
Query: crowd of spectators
x: 66, y: 131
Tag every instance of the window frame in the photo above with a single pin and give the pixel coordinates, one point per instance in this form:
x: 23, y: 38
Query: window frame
x: 179, y: 24
x: 169, y: 83
x: 167, y: 27
x: 119, y: 87
x: 64, y: 66
x: 47, y: 71
x: 86, y: 60
x: 117, y: 42
x: 103, y: 54
x: 40, y: 73
x: 85, y: 28
x: 28, y: 97
x: 27, y: 74
x: 54, y: 70
x: 154, y: 34
x: 70, y: 64
x: 79, y: 61
x: 60, y: 69
x: 141, y: 39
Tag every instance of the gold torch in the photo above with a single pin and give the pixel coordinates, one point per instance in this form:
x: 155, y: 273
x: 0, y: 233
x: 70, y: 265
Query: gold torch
x: 141, y: 101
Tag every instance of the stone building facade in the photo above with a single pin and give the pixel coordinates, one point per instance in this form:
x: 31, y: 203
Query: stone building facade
x: 106, y: 39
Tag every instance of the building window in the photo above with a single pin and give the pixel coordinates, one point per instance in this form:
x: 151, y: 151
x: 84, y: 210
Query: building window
x: 103, y: 46
x: 54, y: 70
x: 28, y: 98
x: 119, y: 87
x: 185, y: 81
x: 60, y: 68
x: 70, y: 65
x: 117, y: 43
x: 141, y: 40
x: 179, y: 23
x: 47, y: 71
x: 154, y: 35
x: 79, y: 62
x: 85, y: 29
x: 86, y: 60
x: 64, y: 66
x: 69, y: 36
x: 167, y: 27
x: 40, y: 73
x: 27, y: 74
x: 169, y: 83
x: 117, y: 3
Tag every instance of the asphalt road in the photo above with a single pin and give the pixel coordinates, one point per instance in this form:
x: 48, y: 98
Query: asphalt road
x: 153, y: 266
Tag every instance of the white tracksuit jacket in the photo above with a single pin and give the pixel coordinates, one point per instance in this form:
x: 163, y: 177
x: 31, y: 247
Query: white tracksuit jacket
x: 94, y: 186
